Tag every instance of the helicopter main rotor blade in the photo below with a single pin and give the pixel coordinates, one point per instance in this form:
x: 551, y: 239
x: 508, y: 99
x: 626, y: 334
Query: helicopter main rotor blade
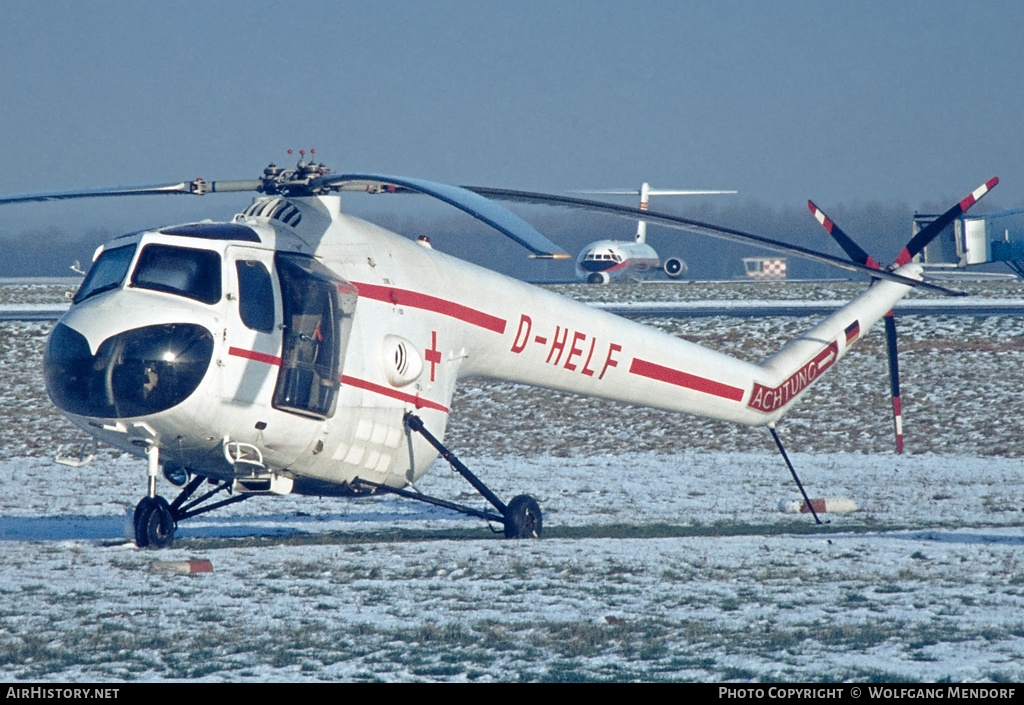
x: 477, y: 206
x: 703, y: 229
x: 483, y: 209
x: 192, y: 188
x: 179, y: 188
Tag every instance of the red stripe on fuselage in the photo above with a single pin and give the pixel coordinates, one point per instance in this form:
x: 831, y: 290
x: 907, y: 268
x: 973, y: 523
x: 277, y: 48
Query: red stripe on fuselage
x: 426, y: 302
x: 679, y: 378
x: 257, y: 356
x: 414, y: 399
x: 635, y: 263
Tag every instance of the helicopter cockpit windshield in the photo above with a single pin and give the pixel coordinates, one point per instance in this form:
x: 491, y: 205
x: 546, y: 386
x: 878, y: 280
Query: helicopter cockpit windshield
x: 185, y: 271
x: 107, y: 272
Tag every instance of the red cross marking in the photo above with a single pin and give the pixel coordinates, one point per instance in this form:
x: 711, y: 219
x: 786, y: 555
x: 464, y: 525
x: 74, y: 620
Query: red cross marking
x: 433, y: 355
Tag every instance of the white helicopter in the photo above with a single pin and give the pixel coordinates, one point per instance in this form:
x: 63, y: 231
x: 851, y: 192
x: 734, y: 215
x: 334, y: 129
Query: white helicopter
x: 296, y: 349
x: 606, y: 261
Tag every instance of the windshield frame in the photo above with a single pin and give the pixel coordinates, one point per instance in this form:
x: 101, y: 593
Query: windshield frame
x: 113, y: 266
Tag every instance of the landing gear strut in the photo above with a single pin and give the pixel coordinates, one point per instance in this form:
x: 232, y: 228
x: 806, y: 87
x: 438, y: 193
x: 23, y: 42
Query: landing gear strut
x: 156, y: 520
x: 522, y: 516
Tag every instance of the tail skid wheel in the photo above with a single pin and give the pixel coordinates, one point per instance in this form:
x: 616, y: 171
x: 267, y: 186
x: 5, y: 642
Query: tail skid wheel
x: 523, y: 519
x: 154, y: 523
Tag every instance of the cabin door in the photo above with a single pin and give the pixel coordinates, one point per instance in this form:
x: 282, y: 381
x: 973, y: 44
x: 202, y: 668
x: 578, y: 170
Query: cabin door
x: 317, y: 308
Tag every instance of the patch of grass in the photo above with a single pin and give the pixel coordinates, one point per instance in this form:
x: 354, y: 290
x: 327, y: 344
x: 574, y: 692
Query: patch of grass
x: 567, y: 672
x: 892, y: 589
x: 599, y: 531
x: 439, y: 670
x: 574, y: 639
x: 734, y: 673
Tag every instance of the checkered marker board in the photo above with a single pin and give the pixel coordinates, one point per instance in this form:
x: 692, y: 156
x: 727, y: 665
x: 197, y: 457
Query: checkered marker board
x: 771, y: 269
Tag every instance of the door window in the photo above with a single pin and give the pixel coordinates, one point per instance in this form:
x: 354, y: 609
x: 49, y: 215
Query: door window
x: 317, y: 308
x: 255, y: 296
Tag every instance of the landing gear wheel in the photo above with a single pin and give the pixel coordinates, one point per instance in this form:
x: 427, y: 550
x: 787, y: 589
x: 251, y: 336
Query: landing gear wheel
x: 523, y: 519
x: 154, y: 523
x: 143, y: 507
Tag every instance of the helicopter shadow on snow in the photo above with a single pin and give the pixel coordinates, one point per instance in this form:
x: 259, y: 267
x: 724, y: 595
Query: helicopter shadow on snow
x: 71, y: 527
x: 105, y: 528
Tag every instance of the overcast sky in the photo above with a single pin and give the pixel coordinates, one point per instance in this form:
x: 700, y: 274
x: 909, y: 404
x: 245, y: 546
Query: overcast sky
x: 843, y: 102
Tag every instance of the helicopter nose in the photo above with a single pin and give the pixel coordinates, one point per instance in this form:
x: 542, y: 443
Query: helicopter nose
x: 133, y: 373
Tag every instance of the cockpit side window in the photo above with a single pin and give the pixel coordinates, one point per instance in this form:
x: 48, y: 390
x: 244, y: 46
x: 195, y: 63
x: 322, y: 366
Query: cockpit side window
x: 255, y: 296
x: 106, y: 273
x: 184, y: 271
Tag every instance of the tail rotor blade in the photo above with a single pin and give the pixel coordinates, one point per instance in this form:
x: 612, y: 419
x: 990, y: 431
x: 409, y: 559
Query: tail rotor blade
x: 851, y: 248
x: 858, y: 255
x: 918, y: 242
x: 894, y: 378
x: 913, y: 248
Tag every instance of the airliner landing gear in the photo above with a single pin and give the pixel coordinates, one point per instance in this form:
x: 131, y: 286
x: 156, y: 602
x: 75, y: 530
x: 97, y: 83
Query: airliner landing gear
x: 521, y: 517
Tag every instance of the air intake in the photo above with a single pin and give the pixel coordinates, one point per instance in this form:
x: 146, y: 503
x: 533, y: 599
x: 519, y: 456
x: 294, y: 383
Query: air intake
x: 275, y: 209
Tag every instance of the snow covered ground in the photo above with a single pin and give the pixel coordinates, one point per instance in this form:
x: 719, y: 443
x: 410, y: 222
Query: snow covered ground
x: 665, y: 558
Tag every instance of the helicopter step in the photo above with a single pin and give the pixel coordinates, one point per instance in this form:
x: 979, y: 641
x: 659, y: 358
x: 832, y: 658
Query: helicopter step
x: 521, y: 517
x: 265, y: 483
x: 239, y: 453
x: 76, y: 455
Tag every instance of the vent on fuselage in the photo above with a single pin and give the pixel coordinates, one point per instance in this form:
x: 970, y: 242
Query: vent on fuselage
x: 276, y: 209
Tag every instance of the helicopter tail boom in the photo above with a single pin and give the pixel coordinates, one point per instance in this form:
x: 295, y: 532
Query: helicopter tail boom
x: 553, y: 342
x: 799, y: 363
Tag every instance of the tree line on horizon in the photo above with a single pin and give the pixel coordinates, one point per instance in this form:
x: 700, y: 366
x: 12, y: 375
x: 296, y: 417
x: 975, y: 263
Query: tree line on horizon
x: 880, y: 228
